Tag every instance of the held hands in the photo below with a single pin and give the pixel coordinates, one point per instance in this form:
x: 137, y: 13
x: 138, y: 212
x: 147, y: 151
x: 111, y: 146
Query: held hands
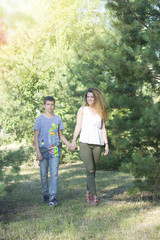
x: 73, y: 146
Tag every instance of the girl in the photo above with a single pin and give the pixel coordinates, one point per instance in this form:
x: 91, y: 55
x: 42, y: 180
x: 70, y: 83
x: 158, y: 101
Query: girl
x: 91, y: 126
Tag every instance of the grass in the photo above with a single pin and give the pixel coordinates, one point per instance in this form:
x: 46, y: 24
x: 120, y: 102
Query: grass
x: 117, y: 217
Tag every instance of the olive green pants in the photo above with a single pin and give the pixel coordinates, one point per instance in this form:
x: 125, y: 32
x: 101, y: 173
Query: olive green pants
x: 90, y: 155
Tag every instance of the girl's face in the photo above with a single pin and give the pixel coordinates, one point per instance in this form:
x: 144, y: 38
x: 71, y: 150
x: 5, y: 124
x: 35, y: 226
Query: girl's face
x: 90, y: 99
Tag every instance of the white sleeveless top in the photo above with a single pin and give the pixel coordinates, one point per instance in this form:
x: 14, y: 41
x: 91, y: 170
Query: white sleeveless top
x: 91, y: 131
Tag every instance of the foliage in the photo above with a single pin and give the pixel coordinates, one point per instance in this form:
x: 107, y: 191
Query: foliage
x: 134, y: 90
x: 34, y: 65
x: 9, y: 166
x: 110, y: 162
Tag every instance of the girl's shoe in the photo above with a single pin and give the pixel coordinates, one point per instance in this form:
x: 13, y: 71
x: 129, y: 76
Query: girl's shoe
x: 88, y: 196
x: 94, y: 200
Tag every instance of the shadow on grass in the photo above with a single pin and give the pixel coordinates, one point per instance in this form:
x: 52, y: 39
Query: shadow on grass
x: 24, y: 202
x: 19, y: 198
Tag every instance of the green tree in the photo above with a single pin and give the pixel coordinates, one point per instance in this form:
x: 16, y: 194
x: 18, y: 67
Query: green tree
x: 134, y: 89
x: 37, y: 62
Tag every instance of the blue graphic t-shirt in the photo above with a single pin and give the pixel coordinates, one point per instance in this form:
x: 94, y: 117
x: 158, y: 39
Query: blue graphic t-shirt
x: 49, y: 141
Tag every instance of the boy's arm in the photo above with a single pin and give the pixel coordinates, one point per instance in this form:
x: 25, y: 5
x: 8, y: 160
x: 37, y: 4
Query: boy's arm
x: 63, y: 139
x: 36, y: 142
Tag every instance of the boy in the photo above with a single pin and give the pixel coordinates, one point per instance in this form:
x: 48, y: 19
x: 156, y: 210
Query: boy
x: 48, y: 133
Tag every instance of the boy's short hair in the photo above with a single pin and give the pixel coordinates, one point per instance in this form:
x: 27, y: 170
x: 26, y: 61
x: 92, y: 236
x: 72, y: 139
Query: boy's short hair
x: 49, y: 98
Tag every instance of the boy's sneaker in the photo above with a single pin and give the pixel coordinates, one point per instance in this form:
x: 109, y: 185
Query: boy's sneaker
x: 54, y: 202
x: 45, y: 198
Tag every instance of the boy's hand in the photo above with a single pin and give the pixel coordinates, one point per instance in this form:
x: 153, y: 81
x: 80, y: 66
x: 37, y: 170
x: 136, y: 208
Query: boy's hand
x: 39, y: 156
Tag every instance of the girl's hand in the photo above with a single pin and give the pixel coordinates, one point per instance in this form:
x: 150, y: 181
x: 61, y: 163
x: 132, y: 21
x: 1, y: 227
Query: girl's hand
x: 106, y: 150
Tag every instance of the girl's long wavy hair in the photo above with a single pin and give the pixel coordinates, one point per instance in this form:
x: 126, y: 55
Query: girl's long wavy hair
x: 99, y: 104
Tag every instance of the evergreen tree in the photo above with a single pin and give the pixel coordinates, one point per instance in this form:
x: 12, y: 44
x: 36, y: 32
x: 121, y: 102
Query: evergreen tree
x: 134, y: 89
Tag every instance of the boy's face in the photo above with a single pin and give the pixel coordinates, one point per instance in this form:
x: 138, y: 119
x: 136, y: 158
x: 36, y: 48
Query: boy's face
x: 49, y: 106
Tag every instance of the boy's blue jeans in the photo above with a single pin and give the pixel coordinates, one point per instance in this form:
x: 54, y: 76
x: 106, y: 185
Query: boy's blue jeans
x: 53, y: 165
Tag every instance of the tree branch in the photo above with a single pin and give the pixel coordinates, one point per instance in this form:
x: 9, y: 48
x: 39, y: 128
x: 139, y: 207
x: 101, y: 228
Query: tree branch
x: 139, y: 18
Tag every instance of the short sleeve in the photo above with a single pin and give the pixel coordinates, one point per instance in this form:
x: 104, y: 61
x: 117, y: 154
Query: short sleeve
x: 61, y: 127
x: 37, y: 124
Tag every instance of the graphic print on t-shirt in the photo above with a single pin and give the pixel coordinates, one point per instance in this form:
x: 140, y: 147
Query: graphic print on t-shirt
x: 53, y: 139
